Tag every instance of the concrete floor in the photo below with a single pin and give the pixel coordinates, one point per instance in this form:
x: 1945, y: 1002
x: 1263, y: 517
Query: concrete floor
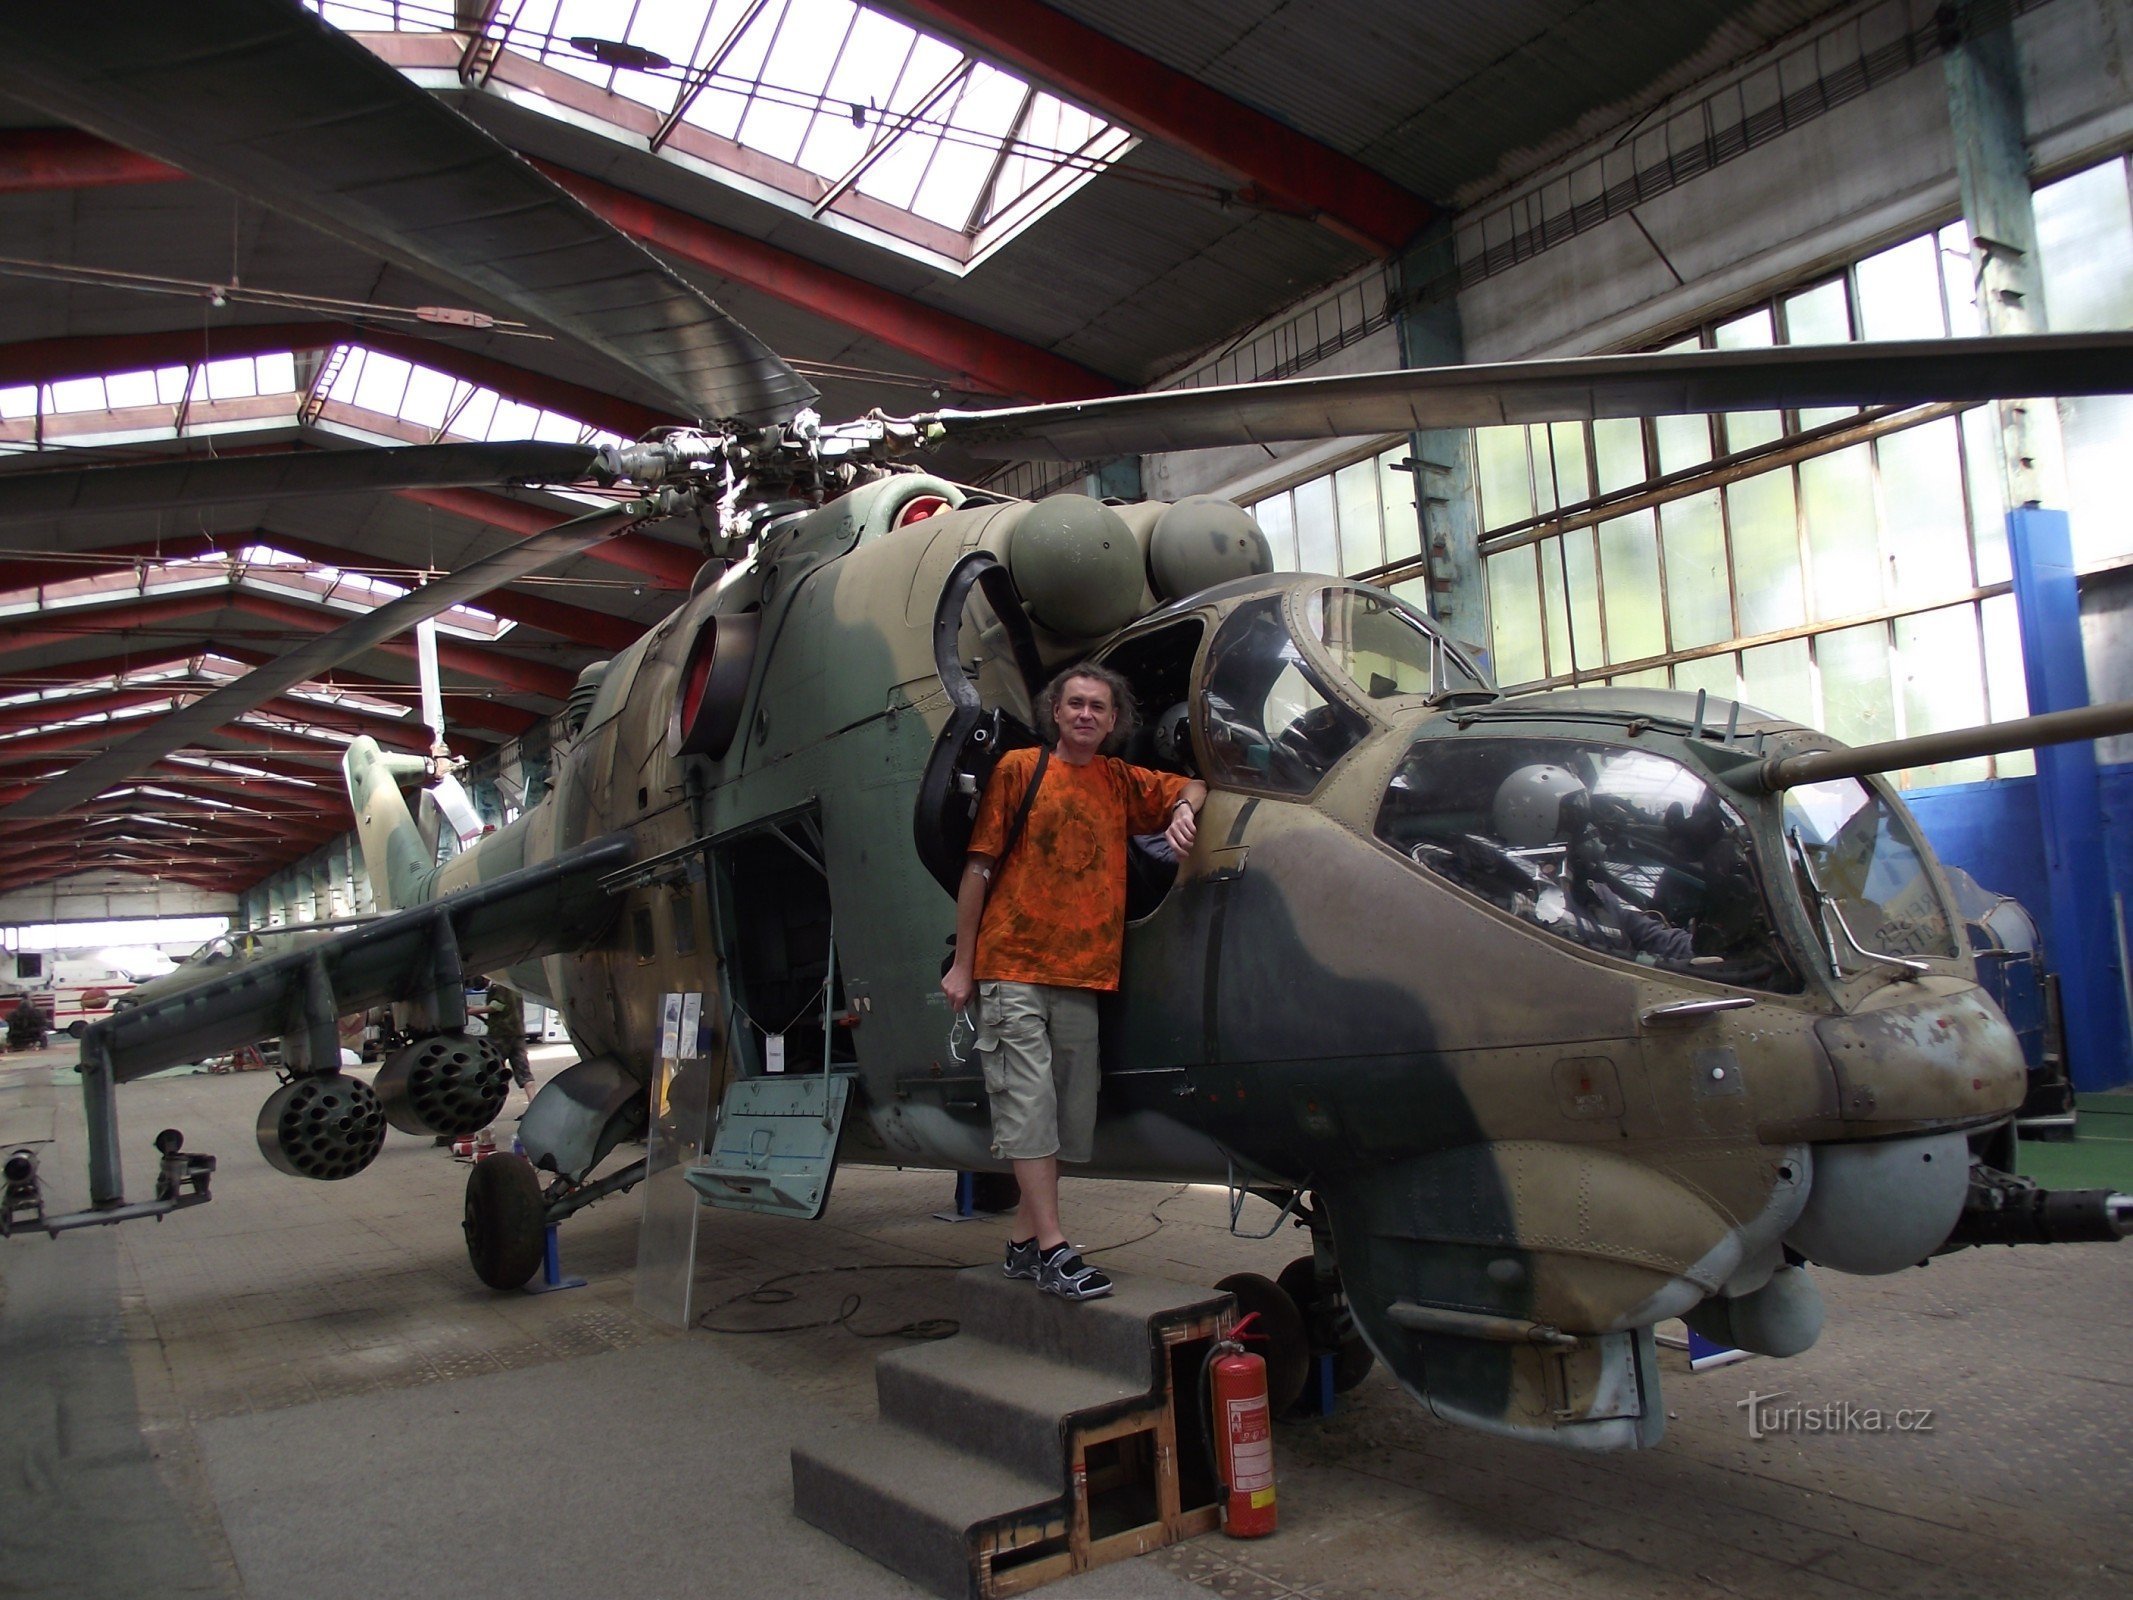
x: 300, y: 1390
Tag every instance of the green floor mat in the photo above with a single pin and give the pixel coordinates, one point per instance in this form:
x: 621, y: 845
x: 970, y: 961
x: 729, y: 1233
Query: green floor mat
x: 2099, y: 1156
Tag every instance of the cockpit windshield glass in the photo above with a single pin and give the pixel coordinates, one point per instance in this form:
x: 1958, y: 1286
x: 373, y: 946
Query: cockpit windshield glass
x: 1270, y: 723
x: 1869, y: 870
x: 1621, y: 851
x: 1384, y: 648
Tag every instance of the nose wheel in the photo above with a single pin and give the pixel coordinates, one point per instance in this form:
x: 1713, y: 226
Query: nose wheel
x: 1328, y: 1327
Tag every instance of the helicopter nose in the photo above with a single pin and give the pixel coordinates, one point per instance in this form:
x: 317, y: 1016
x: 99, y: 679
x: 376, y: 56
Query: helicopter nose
x: 1908, y: 1060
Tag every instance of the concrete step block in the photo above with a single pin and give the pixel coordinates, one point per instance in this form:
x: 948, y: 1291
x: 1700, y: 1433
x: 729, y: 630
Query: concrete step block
x: 916, y: 1505
x: 1001, y: 1403
x: 1117, y: 1335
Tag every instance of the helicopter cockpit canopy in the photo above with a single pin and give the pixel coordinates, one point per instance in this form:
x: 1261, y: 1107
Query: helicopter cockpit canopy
x: 1622, y: 851
x: 1274, y: 720
x: 1863, y: 875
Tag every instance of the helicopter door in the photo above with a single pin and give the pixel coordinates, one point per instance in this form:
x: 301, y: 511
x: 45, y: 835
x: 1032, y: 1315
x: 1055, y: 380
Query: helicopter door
x: 976, y: 736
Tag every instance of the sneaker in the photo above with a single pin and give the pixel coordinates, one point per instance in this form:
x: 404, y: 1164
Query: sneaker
x: 1061, y: 1271
x: 1022, y: 1259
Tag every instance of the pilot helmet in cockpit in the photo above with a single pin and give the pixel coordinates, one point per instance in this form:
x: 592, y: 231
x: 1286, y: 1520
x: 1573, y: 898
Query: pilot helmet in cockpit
x: 1540, y: 804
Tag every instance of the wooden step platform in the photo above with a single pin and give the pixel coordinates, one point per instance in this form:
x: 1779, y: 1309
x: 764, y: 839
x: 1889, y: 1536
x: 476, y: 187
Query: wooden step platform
x: 1044, y: 1439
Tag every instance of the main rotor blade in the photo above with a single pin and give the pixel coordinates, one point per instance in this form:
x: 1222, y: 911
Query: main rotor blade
x: 315, y: 657
x: 286, y: 474
x: 1584, y: 388
x: 264, y: 98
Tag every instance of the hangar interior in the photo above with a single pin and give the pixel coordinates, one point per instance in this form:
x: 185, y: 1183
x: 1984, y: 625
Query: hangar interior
x: 925, y: 205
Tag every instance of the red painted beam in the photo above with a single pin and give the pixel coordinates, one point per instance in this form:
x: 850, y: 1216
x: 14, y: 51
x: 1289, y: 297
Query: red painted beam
x: 1139, y: 92
x: 980, y: 357
x: 672, y: 566
x: 36, y: 714
x: 34, y: 160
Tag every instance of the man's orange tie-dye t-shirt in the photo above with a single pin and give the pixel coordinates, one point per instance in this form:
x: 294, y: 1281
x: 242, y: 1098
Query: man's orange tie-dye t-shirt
x: 1057, y: 912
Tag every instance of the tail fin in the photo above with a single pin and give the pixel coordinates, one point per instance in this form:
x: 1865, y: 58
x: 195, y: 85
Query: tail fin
x: 400, y: 864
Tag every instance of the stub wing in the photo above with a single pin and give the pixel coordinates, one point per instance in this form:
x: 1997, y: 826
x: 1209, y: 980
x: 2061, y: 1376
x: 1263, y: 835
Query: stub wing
x: 539, y: 910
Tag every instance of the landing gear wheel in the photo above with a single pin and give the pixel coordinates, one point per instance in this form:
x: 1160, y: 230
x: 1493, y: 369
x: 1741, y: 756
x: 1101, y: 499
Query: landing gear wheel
x: 994, y: 1192
x: 506, y: 1236
x: 1352, y: 1359
x: 1286, y: 1348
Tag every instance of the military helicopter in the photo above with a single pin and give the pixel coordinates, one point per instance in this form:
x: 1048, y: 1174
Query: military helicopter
x: 1550, y: 1017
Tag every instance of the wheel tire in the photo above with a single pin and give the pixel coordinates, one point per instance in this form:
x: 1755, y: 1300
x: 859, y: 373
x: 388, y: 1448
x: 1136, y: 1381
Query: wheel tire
x: 77, y: 1028
x: 1286, y: 1348
x: 994, y: 1192
x: 506, y: 1236
x: 1352, y: 1358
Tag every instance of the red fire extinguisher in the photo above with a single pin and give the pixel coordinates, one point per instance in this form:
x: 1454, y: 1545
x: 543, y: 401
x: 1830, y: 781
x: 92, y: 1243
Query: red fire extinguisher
x: 1233, y: 1385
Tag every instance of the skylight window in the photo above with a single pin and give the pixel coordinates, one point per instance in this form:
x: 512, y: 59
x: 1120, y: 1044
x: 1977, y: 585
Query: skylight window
x: 440, y: 406
x: 850, y: 106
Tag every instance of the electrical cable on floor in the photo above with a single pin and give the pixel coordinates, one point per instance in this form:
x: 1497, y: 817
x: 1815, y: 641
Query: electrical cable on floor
x: 767, y: 1293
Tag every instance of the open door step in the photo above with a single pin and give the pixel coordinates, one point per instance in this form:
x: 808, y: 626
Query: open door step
x: 1043, y: 1439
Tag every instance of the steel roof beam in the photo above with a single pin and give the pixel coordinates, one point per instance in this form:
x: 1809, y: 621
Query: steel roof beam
x: 979, y: 357
x: 1272, y: 160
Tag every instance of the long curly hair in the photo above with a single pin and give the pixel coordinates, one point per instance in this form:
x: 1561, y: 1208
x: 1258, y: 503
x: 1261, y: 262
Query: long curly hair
x: 1121, y: 697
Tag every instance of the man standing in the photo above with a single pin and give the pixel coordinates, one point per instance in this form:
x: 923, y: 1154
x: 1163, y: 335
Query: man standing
x: 1039, y: 939
x: 506, y: 1016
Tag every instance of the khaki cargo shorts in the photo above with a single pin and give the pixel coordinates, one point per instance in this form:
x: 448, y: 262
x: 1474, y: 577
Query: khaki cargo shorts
x: 1037, y: 1044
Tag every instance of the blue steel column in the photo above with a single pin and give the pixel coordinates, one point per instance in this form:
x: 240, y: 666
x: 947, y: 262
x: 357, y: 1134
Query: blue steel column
x: 2069, y: 805
x: 1985, y: 113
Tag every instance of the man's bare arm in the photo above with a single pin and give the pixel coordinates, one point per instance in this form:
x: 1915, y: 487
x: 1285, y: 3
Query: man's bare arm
x: 957, y: 983
x: 1184, y: 817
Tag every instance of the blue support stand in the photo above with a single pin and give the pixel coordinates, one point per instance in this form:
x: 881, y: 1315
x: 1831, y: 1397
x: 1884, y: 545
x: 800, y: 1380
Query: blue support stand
x: 966, y: 1191
x: 552, y: 1277
x: 2085, y: 942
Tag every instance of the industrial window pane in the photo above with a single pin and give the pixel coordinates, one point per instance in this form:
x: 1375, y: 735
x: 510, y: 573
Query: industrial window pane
x: 277, y: 373
x: 1837, y: 495
x: 1899, y: 292
x: 1618, y: 443
x: 1943, y: 686
x: 1717, y: 676
x: 1502, y: 473
x: 1818, y: 315
x: 1858, y: 701
x: 1544, y: 499
x: 1924, y: 537
x: 1629, y: 564
x: 1355, y: 488
x: 1317, y: 539
x: 1766, y: 553
x: 129, y: 389
x: 2085, y: 244
x: 1577, y: 556
x: 1403, y: 520
x: 1775, y: 677
x: 1277, y: 520
x: 1958, y: 281
x: 1648, y: 678
x: 1982, y: 469
x: 2099, y: 475
x: 1514, y: 617
x: 1573, y: 472
x: 1555, y: 605
x: 1744, y: 430
x: 2006, y: 684
x: 1684, y: 442
x: 1698, y: 596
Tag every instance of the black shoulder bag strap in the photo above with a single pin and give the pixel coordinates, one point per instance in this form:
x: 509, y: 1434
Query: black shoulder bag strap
x: 1021, y: 816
